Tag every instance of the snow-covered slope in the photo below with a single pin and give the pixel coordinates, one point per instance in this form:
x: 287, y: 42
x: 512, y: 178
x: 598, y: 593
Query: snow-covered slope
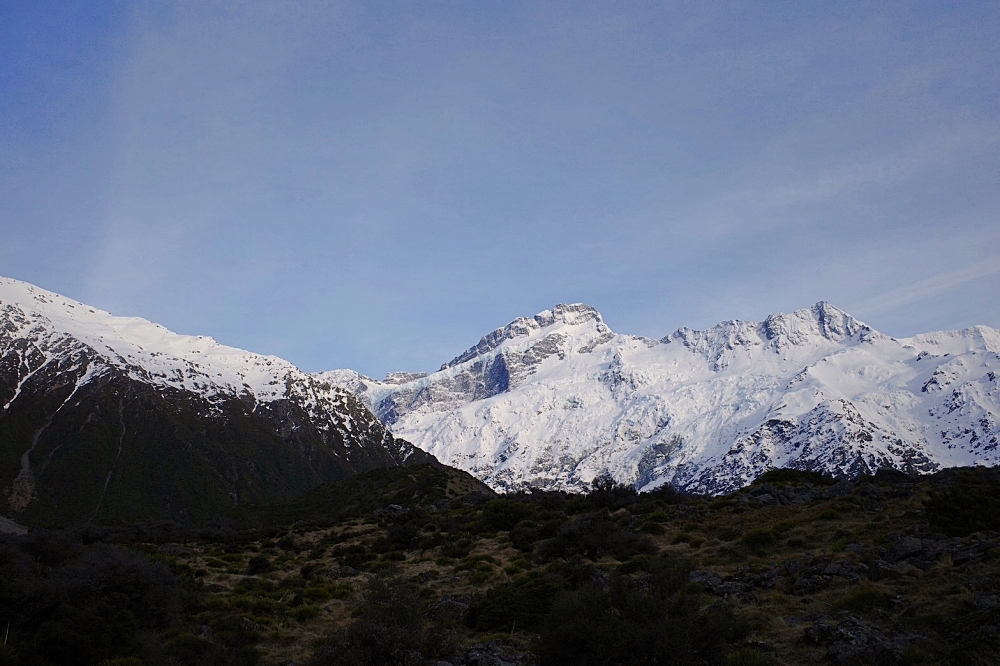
x: 80, y: 387
x: 148, y: 351
x: 558, y: 400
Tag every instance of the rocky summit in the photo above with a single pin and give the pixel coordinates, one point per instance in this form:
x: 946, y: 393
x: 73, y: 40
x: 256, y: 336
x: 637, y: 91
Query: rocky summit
x: 559, y: 400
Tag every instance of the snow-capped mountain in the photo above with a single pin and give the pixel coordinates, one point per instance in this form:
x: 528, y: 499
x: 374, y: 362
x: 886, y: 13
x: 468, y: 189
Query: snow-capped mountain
x: 558, y: 400
x: 107, y: 417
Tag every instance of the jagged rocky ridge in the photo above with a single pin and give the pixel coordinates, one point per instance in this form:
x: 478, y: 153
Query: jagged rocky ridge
x: 559, y: 400
x: 107, y: 418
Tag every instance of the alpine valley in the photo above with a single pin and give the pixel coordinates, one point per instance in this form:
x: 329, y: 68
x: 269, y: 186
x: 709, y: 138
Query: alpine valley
x: 559, y: 400
x: 112, y: 418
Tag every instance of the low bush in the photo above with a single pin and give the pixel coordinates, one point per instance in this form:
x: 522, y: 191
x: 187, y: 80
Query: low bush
x: 759, y: 541
x: 624, y: 622
x: 864, y: 599
x: 524, y: 535
x: 503, y: 514
x: 259, y: 564
x: 75, y: 603
x: 971, y: 504
x: 521, y: 603
x: 651, y: 527
x: 595, y: 535
x: 394, y: 626
x: 607, y: 494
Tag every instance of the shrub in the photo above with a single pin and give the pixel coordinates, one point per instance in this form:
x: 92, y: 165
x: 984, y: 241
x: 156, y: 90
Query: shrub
x: 80, y: 604
x: 9, y: 656
x: 394, y: 626
x: 972, y: 504
x: 627, y: 623
x: 759, y: 541
x: 595, y: 535
x: 651, y: 527
x: 524, y: 535
x: 864, y: 599
x: 504, y: 514
x: 607, y: 494
x: 729, y: 534
x: 457, y: 549
x: 259, y: 564
x: 521, y: 603
x: 353, y: 556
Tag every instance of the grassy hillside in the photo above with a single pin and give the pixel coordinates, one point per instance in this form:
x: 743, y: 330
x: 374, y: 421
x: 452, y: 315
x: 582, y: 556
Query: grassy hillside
x: 424, y: 565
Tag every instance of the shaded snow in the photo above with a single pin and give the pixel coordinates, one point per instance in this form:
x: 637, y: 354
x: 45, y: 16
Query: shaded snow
x: 558, y: 400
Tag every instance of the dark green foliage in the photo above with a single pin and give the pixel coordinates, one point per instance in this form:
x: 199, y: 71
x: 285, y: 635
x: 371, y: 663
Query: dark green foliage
x: 673, y: 568
x: 524, y: 536
x: 595, y: 535
x: 259, y: 564
x: 74, y: 604
x: 625, y: 622
x: 865, y: 599
x: 606, y: 494
x: 729, y: 534
x: 563, y: 587
x: 457, y: 548
x: 353, y: 556
x: 759, y: 541
x: 886, y: 476
x: 9, y: 656
x: 519, y: 604
x: 394, y: 627
x: 363, y: 494
x: 504, y: 514
x: 794, y: 477
x: 237, y: 650
x: 970, y: 504
x: 405, y: 533
x: 651, y: 527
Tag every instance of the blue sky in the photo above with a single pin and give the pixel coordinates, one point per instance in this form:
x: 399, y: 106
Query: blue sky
x: 377, y: 185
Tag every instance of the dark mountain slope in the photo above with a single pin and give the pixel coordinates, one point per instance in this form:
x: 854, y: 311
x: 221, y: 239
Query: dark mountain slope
x: 89, y: 435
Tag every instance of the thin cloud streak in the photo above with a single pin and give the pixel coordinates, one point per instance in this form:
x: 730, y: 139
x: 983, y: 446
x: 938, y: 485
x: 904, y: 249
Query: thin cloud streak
x: 365, y: 186
x: 929, y: 288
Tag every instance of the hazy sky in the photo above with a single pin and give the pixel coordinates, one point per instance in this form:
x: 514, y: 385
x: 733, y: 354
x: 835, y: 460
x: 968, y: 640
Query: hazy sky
x: 377, y: 185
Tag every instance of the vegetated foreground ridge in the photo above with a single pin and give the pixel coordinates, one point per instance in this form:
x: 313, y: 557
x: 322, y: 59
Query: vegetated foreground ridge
x: 425, y: 565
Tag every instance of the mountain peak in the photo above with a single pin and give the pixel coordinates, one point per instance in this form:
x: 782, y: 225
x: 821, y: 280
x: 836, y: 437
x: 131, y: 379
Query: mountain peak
x: 572, y: 314
x: 556, y: 400
x: 823, y: 319
x: 817, y: 325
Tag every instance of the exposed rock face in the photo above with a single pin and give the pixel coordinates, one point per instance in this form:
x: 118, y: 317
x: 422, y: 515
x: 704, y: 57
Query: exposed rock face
x: 107, y: 418
x: 558, y: 400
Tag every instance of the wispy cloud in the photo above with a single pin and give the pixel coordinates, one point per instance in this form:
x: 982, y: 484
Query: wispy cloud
x: 365, y: 184
x: 929, y: 288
